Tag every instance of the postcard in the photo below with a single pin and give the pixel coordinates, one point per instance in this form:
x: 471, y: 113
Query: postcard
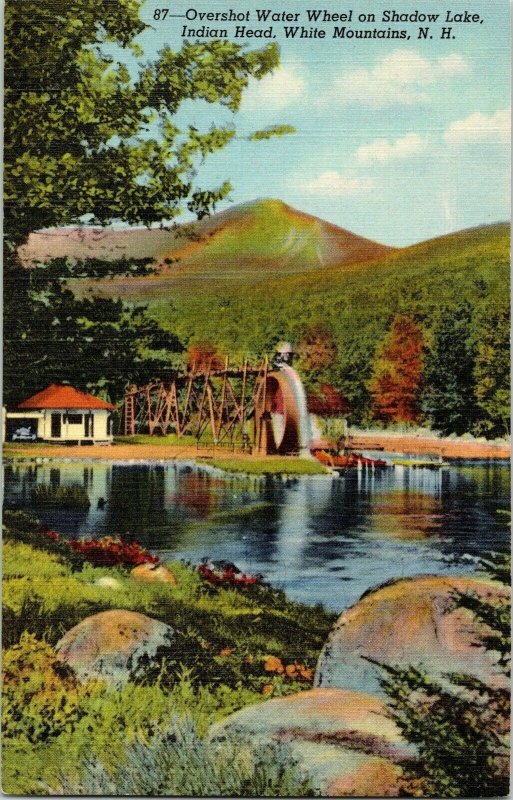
x: 256, y: 398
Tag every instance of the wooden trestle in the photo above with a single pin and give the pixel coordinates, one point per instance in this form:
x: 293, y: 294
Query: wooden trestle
x: 210, y: 403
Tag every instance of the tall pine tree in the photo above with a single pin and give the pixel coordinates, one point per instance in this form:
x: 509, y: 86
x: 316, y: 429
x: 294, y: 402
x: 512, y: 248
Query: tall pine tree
x: 449, y: 400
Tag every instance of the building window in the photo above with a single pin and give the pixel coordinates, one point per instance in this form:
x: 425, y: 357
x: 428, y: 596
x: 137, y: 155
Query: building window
x: 75, y: 419
x: 89, y: 425
x: 109, y: 425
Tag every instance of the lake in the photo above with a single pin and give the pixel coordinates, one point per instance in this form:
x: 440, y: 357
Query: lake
x: 322, y: 539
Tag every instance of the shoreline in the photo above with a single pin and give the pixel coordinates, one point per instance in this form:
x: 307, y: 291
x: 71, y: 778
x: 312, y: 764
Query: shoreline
x: 385, y: 442
x: 431, y: 446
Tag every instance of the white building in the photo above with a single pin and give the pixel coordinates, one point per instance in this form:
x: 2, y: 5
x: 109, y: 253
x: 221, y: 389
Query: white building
x: 61, y: 414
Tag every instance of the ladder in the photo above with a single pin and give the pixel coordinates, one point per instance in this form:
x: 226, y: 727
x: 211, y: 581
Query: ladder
x: 129, y: 415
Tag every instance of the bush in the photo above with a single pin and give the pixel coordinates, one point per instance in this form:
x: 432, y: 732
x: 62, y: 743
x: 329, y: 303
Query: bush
x: 108, y: 721
x: 74, y: 496
x: 461, y: 729
x: 41, y: 696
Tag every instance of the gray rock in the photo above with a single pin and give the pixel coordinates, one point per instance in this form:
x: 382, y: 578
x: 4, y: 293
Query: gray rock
x: 413, y: 621
x: 345, y: 742
x: 115, y: 646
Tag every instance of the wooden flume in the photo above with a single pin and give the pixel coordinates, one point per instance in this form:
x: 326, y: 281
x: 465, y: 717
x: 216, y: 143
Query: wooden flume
x: 219, y: 404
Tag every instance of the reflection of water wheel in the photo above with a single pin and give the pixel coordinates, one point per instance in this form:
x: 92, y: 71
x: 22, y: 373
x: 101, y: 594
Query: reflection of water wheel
x: 278, y: 416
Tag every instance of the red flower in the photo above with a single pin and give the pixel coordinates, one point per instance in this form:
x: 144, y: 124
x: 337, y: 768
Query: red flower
x: 111, y: 552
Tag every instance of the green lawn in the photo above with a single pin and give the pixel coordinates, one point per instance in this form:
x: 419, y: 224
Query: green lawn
x: 275, y: 466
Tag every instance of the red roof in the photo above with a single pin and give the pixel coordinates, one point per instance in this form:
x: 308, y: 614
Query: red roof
x: 57, y: 396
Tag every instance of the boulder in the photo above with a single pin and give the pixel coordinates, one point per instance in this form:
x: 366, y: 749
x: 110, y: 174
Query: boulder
x: 414, y: 621
x: 108, y: 583
x: 115, y: 646
x: 344, y: 741
x: 153, y: 573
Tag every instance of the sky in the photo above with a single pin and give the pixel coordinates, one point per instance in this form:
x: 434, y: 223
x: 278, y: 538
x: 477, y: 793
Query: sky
x: 396, y: 140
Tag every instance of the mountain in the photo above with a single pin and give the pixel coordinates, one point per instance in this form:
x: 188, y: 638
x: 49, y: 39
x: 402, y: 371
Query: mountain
x: 263, y: 272
x: 264, y: 239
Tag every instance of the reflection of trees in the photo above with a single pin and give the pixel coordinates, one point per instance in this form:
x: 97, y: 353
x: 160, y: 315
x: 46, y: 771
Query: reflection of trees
x: 335, y: 519
x: 261, y: 530
x: 196, y: 494
x: 408, y: 514
x: 136, y: 504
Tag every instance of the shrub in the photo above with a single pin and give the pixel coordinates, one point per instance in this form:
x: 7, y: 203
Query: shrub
x: 73, y: 496
x: 229, y: 576
x: 460, y: 728
x: 109, y: 721
x: 41, y: 696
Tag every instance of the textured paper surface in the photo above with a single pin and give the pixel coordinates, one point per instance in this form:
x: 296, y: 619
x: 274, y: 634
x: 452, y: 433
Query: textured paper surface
x: 256, y: 398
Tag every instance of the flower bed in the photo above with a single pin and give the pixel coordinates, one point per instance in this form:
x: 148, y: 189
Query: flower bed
x: 113, y: 552
x: 226, y: 574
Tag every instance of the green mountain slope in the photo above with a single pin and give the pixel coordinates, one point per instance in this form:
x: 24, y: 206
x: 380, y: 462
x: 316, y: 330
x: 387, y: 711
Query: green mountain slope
x: 263, y: 239
x: 260, y: 273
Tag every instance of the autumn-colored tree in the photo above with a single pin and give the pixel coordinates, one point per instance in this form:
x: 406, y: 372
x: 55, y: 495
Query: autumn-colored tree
x: 317, y: 350
x: 203, y: 357
x: 396, y: 382
x: 327, y: 401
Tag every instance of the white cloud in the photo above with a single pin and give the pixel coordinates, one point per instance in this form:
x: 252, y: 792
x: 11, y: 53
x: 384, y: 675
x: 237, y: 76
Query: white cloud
x: 380, y: 151
x: 282, y: 88
x: 479, y: 127
x: 335, y: 184
x: 399, y: 78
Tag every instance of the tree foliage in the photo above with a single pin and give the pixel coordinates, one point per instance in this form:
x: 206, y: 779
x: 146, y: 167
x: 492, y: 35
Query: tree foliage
x: 449, y: 400
x: 459, y: 725
x: 491, y: 372
x: 87, y: 133
x: 91, y: 134
x: 96, y: 344
x: 398, y: 372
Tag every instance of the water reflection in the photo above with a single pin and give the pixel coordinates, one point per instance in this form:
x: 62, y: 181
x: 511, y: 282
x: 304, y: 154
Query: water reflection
x: 321, y: 539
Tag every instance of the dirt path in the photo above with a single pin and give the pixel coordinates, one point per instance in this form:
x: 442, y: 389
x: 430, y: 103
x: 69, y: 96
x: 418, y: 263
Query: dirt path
x: 419, y: 445
x: 414, y: 445
x: 123, y: 452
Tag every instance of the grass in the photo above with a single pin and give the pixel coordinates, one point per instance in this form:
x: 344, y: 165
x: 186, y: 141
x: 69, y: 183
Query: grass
x: 253, y: 624
x: 270, y: 466
x: 177, y: 762
x: 225, y: 637
x: 171, y: 439
x: 418, y: 462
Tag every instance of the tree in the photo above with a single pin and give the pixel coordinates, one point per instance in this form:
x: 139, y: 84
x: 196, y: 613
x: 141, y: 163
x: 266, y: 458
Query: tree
x: 87, y: 134
x: 93, y: 137
x: 492, y: 372
x: 204, y: 356
x: 397, y: 377
x: 95, y: 344
x: 459, y: 725
x: 449, y: 400
x: 317, y: 350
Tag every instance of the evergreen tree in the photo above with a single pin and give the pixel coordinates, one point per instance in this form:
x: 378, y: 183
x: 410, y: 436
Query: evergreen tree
x: 492, y: 372
x: 449, y: 400
x: 95, y: 344
x: 459, y: 725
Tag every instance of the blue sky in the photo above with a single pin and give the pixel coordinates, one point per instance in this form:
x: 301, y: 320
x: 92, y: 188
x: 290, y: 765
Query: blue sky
x: 397, y: 140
